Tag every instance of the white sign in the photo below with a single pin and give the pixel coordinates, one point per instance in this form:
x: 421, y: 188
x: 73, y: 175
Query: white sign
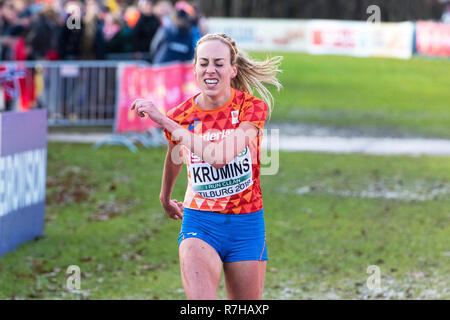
x: 263, y: 34
x: 354, y: 38
x: 394, y: 40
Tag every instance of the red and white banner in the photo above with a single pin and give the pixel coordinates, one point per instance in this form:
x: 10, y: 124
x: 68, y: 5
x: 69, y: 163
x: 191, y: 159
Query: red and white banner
x: 433, y: 38
x: 360, y: 39
x: 287, y: 35
x: 319, y: 36
x: 166, y: 86
x: 339, y: 37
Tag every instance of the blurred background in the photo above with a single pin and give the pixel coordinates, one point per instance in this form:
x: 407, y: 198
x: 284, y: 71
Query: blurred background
x: 358, y: 145
x: 39, y: 29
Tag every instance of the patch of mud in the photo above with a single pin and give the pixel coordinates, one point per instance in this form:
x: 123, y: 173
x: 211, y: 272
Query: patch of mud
x: 301, y: 129
x: 415, y: 286
x: 363, y: 145
x: 380, y: 191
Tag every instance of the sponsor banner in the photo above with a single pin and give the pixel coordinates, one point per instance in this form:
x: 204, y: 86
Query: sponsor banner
x: 433, y: 39
x: 354, y: 38
x: 361, y: 39
x: 339, y: 37
x: 166, y: 86
x: 23, y: 161
x: 263, y: 34
x: 393, y: 40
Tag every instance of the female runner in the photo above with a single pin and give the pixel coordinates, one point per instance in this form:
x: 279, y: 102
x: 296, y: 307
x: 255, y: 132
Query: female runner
x: 218, y: 133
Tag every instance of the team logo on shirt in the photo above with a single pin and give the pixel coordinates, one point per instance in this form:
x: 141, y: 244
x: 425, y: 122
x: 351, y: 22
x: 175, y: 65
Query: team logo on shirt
x: 235, y: 116
x: 193, y: 124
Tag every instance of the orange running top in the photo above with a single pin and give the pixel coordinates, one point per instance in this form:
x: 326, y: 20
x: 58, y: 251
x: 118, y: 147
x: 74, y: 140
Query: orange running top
x: 234, y: 188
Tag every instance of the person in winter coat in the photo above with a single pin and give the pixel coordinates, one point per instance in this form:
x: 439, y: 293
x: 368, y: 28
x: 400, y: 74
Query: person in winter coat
x: 173, y: 43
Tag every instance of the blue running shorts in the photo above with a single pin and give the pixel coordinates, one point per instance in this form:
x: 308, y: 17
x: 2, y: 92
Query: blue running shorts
x: 235, y: 237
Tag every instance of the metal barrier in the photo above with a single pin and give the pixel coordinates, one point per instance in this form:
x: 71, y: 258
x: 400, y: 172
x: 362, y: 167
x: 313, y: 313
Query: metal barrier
x: 75, y: 93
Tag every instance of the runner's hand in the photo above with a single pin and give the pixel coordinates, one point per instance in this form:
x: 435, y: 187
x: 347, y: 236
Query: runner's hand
x: 143, y: 106
x: 174, y: 209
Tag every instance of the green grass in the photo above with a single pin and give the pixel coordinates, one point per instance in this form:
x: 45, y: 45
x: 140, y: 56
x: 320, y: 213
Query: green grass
x: 103, y: 214
x: 409, y: 96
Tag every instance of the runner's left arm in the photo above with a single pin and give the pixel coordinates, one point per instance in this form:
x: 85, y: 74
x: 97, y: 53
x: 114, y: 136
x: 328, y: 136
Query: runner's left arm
x: 217, y: 154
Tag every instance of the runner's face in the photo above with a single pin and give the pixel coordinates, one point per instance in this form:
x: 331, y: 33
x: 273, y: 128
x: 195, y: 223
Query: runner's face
x: 213, y: 69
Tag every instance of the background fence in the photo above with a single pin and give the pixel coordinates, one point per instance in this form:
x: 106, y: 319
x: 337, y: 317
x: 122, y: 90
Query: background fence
x: 74, y: 93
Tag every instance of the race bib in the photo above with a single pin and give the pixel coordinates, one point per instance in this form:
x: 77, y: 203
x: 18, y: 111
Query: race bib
x: 212, y: 183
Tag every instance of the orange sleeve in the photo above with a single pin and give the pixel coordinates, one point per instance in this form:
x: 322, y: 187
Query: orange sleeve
x: 167, y: 134
x: 255, y: 112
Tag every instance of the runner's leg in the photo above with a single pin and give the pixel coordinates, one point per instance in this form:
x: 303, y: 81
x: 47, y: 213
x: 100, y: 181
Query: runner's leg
x: 201, y: 269
x: 244, y: 280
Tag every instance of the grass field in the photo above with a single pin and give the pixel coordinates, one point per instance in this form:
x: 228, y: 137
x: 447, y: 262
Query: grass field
x: 396, y: 96
x: 328, y: 217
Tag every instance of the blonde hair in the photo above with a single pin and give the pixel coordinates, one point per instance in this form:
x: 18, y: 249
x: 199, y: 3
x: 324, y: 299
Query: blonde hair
x: 251, y: 74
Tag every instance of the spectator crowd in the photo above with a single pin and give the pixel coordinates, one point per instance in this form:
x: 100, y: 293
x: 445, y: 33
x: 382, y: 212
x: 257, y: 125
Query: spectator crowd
x: 94, y: 30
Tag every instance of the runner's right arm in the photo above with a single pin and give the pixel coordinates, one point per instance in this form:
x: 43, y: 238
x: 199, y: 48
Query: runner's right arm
x: 172, y: 167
